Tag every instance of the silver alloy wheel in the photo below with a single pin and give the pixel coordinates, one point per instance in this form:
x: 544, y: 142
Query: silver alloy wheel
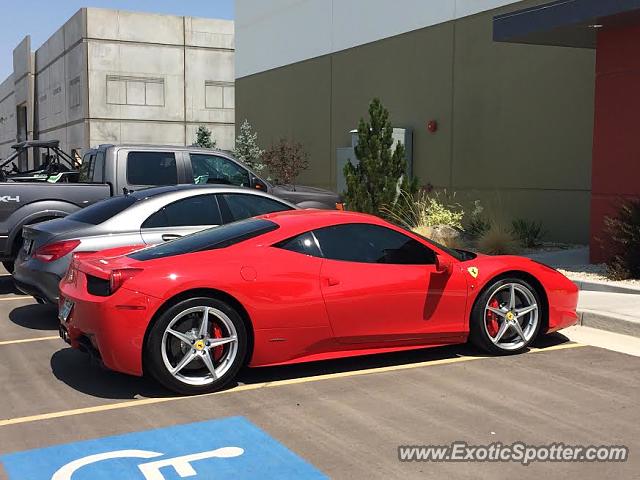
x: 197, y: 344
x: 513, y: 307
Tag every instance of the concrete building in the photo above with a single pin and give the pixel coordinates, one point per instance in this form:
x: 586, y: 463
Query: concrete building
x: 514, y: 122
x: 109, y: 76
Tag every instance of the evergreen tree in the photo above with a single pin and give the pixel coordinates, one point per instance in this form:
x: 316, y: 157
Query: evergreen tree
x: 380, y: 175
x: 203, y: 138
x: 247, y: 149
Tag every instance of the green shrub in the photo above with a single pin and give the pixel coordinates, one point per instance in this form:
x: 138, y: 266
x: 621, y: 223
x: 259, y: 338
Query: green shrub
x: 497, y: 240
x: 424, y: 210
x: 624, y: 241
x: 478, y: 224
x: 528, y: 233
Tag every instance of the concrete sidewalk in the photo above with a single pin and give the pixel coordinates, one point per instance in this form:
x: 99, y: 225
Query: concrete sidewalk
x: 614, y: 312
x: 574, y: 262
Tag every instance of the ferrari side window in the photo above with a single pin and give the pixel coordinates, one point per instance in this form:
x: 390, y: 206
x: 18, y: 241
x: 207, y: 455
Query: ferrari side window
x: 366, y: 243
x: 305, y: 244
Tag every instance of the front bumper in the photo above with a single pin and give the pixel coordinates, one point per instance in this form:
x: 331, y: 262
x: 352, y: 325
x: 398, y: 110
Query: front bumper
x: 563, y: 304
x: 114, y: 326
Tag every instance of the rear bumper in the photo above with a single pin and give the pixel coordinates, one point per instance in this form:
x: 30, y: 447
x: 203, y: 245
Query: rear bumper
x: 115, y: 326
x: 37, y: 283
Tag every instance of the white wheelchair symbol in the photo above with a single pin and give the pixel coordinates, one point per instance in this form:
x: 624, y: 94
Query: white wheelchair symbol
x: 150, y: 470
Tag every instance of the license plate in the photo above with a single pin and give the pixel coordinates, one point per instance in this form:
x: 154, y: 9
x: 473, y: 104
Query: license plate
x: 65, y: 310
x: 26, y: 246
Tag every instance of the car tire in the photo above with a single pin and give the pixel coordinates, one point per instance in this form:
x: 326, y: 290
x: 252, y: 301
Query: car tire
x: 177, y: 337
x: 506, y: 317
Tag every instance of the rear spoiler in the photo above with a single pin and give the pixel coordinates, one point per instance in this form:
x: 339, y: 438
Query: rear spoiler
x: 100, y: 264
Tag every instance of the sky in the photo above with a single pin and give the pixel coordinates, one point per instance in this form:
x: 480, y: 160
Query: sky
x: 41, y: 18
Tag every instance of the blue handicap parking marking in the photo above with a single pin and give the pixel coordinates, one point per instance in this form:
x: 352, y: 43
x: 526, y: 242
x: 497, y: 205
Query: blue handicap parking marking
x: 216, y: 449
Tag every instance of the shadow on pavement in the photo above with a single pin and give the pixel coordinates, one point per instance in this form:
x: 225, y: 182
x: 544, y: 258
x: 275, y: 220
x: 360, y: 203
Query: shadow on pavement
x: 301, y: 370
x: 85, y: 375
x: 35, y: 317
x: 7, y: 286
x: 80, y: 372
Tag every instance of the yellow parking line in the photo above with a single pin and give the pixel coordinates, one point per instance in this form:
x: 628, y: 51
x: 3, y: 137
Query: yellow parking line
x: 27, y: 340
x: 256, y: 386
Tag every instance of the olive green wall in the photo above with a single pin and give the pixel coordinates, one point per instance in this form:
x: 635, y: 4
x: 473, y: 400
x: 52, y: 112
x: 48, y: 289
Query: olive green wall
x: 515, y: 121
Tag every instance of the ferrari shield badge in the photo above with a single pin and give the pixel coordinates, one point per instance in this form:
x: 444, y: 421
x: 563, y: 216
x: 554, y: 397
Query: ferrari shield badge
x: 473, y: 271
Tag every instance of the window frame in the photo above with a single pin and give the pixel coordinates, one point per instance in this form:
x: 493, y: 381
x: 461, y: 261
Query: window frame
x: 227, y: 213
x: 127, y: 152
x: 399, y: 232
x: 217, y: 206
x: 248, y: 172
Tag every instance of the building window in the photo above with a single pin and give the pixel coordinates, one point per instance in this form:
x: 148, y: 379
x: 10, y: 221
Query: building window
x: 219, y: 94
x: 143, y: 91
x: 56, y: 98
x: 74, y: 92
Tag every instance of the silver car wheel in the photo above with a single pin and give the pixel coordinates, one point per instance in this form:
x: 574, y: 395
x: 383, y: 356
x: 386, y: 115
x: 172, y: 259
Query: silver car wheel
x: 511, y: 316
x: 199, y: 345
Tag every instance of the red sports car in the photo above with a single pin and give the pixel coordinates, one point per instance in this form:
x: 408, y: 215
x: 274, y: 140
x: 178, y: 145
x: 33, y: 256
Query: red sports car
x: 299, y: 286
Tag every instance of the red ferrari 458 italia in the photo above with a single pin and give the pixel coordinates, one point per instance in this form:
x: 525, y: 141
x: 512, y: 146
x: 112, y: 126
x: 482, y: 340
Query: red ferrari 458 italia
x: 299, y: 286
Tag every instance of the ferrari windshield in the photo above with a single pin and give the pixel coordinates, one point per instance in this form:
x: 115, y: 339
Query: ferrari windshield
x: 210, y: 239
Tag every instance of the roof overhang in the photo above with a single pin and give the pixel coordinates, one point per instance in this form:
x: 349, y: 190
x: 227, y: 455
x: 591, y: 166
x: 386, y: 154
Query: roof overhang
x: 567, y: 23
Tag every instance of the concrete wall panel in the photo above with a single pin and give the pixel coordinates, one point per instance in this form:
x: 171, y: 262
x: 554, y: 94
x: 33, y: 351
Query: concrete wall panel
x: 522, y: 119
x: 320, y: 27
x: 135, y: 64
x: 134, y: 27
x: 7, y: 116
x: 296, y: 104
x: 280, y: 32
x: 200, y: 75
x: 50, y: 50
x: 75, y: 29
x: 209, y: 33
x: 224, y: 135
x: 157, y: 133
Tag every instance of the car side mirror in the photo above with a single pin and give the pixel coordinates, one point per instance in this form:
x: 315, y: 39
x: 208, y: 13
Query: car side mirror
x: 258, y: 184
x: 444, y: 264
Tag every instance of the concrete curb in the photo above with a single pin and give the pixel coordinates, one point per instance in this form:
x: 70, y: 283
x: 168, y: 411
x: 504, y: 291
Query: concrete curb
x: 604, y: 321
x: 604, y: 287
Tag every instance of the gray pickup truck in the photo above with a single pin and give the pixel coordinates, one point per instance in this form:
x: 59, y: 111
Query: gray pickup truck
x: 112, y: 170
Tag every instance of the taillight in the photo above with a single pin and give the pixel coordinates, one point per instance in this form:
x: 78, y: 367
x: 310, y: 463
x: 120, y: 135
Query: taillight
x: 54, y: 251
x: 118, y: 277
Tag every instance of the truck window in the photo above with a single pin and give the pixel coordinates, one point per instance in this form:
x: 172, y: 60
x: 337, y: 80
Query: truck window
x: 214, y: 169
x: 151, y: 168
x: 98, y: 168
x: 83, y: 173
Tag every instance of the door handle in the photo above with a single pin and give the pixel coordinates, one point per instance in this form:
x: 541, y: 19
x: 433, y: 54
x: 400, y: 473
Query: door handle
x: 332, y: 282
x: 170, y: 236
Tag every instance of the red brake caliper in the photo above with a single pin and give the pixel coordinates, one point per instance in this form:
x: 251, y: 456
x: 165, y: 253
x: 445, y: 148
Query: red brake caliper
x: 217, y: 351
x: 492, y: 319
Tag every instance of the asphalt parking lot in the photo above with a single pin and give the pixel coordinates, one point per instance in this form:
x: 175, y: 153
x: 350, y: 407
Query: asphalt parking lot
x: 347, y: 417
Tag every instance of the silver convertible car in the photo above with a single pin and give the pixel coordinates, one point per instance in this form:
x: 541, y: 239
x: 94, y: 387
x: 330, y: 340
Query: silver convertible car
x: 150, y: 216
